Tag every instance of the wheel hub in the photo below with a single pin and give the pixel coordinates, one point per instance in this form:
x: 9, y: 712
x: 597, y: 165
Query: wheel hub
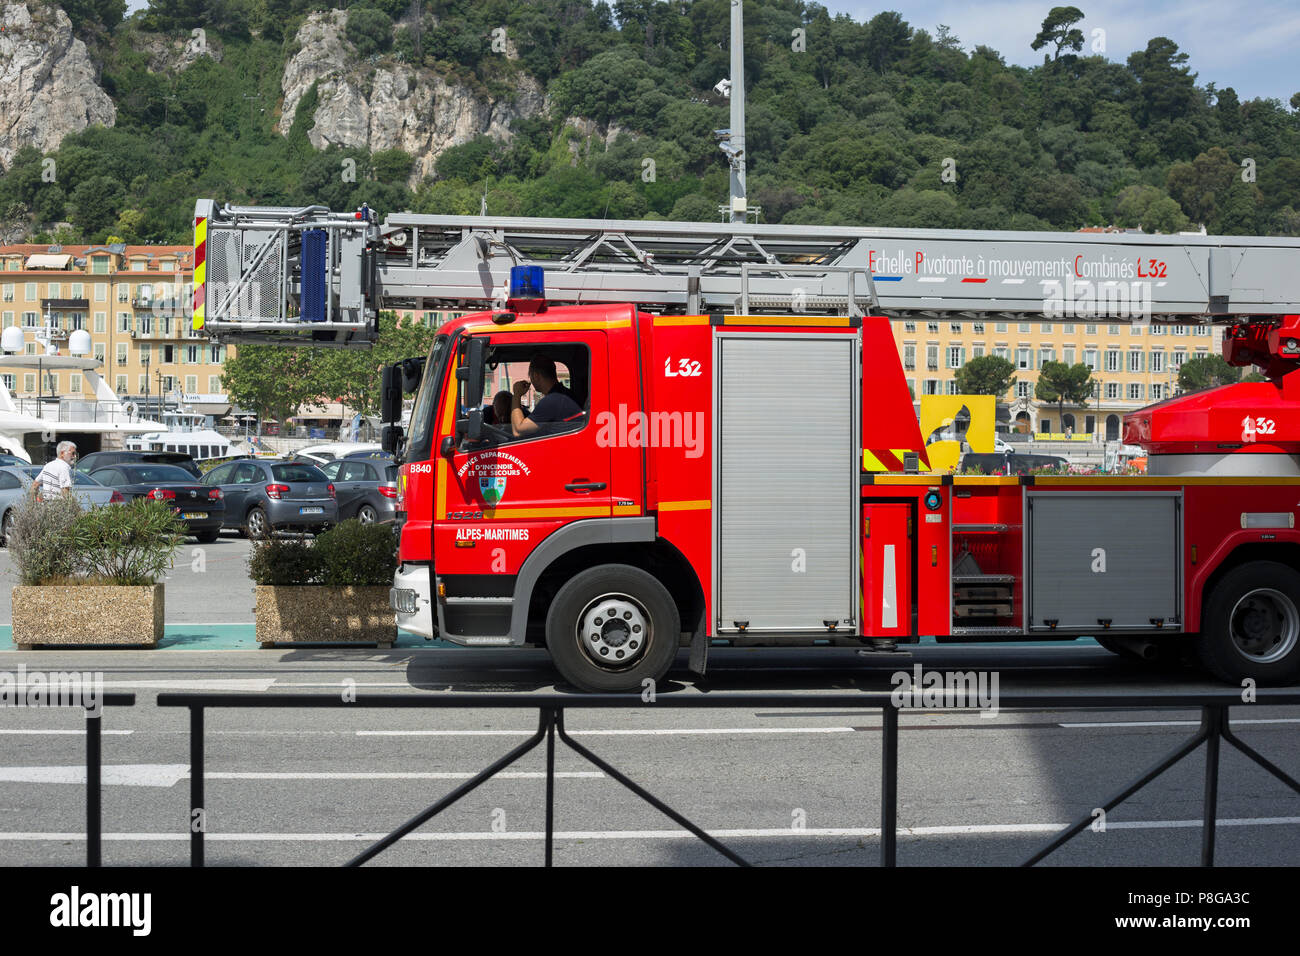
x: 1265, y: 625
x: 613, y: 630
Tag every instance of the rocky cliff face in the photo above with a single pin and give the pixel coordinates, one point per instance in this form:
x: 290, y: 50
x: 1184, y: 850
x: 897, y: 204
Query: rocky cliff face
x: 47, y: 81
x: 386, y: 104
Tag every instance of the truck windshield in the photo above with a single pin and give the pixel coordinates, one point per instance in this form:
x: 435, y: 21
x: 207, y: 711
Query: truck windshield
x: 422, y: 415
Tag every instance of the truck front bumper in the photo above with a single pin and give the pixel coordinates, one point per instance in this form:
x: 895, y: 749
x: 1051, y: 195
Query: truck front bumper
x: 411, y: 598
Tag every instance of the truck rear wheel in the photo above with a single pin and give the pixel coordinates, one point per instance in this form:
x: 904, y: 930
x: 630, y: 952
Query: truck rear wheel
x: 1251, y: 625
x: 611, y: 627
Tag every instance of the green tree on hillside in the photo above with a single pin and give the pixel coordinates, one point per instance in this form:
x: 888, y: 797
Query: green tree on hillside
x: 1059, y: 28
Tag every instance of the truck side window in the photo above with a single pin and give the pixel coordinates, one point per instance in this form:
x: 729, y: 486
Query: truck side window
x: 557, y: 400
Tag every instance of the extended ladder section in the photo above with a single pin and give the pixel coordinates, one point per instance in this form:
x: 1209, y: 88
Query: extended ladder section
x: 315, y: 277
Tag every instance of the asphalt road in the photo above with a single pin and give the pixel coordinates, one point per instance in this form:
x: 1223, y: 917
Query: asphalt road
x: 796, y: 786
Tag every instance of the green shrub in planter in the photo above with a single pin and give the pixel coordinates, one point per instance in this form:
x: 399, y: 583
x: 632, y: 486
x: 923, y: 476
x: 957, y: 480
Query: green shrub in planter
x: 128, y: 545
x: 41, y: 540
x: 278, y: 561
x: 352, y: 554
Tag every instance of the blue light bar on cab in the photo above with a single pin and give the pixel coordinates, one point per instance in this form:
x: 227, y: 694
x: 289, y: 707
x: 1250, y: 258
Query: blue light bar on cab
x: 527, y: 289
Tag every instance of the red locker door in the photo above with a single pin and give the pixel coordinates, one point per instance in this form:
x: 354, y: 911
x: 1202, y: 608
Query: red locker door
x: 886, y: 570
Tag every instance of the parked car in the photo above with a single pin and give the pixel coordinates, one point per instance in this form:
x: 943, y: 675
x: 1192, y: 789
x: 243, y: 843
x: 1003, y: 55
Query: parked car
x: 366, y: 488
x: 102, y: 459
x: 12, y: 460
x: 200, y: 508
x: 263, y: 496
x: 1008, y: 463
x: 16, y: 481
x: 328, y: 451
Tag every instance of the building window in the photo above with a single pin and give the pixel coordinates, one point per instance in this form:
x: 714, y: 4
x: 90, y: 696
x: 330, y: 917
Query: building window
x: 192, y: 353
x: 1022, y: 389
x: 76, y: 321
x: 1025, y: 326
x: 99, y: 265
x: 29, y: 382
x: 1023, y: 359
x: 121, y: 385
x: 99, y: 351
x: 978, y: 328
x: 1157, y: 391
x: 8, y: 381
x: 1112, y: 360
x: 121, y: 353
x: 100, y: 322
x: 932, y: 327
x: 1046, y: 355
x: 932, y: 386
x: 1135, y: 391
x: 144, y: 384
x: 952, y: 386
x: 31, y: 319
x: 909, y: 356
x: 74, y: 384
x: 999, y: 326
x: 124, y: 321
x: 954, y: 328
x: 123, y: 293
x: 977, y: 351
x: 214, y: 355
x: 1047, y: 328
x: 214, y: 385
x: 101, y: 292
x: 1180, y: 357
x: 8, y: 291
x: 139, y: 265
x: 1157, y: 328
x: 191, y: 384
x: 932, y: 358
x: 8, y: 320
x: 907, y: 326
x: 1089, y: 330
x: 78, y: 291
x: 1002, y: 352
x: 30, y: 293
x: 956, y: 355
x: 1157, y: 361
x: 146, y: 324
x: 1202, y: 329
x: 1135, y: 329
x: 1114, y: 330
x: 1068, y: 328
x: 1135, y: 362
x: 1178, y: 330
x: 1112, y: 389
x: 1068, y: 357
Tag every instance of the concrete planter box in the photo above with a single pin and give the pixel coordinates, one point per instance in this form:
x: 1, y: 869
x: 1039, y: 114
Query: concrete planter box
x: 315, y: 614
x: 106, y: 615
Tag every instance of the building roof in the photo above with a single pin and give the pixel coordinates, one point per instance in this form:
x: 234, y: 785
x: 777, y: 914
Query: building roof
x: 44, y: 252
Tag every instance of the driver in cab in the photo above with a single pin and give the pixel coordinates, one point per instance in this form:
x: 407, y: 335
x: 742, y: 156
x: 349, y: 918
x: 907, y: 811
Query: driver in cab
x: 556, y: 404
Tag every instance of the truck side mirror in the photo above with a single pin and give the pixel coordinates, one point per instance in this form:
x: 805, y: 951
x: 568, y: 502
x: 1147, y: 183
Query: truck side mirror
x: 391, y: 439
x: 475, y: 360
x: 390, y: 395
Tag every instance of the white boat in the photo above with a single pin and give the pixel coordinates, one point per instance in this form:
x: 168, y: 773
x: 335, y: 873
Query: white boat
x: 31, y: 428
x: 187, y: 431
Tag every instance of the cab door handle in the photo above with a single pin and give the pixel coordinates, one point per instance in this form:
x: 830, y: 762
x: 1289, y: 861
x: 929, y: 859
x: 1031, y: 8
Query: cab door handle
x: 584, y: 487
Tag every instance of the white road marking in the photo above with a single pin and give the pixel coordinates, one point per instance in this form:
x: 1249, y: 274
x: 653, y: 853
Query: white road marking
x: 79, y: 733
x: 202, y: 683
x: 757, y: 833
x: 650, y: 732
x: 1183, y: 723
x: 399, y: 775
x: 124, y: 775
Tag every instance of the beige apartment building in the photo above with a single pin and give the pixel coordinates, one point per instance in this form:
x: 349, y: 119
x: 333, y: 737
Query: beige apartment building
x: 135, y: 303
x: 1132, y: 364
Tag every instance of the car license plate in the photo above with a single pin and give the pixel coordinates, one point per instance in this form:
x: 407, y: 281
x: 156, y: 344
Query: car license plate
x: 194, y: 514
x: 311, y: 511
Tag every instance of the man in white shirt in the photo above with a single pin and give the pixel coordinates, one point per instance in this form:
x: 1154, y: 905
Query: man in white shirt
x: 56, y: 477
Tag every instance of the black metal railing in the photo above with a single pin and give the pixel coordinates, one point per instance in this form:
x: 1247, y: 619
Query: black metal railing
x: 94, y: 770
x: 1214, y: 728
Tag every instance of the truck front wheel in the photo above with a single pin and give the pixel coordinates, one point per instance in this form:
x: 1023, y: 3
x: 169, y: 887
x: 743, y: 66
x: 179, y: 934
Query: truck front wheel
x: 1251, y: 626
x: 611, y: 627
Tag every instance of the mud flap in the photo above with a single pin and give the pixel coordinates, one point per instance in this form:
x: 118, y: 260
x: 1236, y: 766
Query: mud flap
x: 699, y: 658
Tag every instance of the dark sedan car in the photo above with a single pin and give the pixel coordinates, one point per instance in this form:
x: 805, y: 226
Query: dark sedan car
x: 102, y: 459
x: 263, y: 496
x: 201, y: 508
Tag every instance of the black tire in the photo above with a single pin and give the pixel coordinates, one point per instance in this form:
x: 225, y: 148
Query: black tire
x: 1250, y: 627
x: 208, y: 536
x: 6, y: 528
x: 646, y: 617
x: 256, y: 525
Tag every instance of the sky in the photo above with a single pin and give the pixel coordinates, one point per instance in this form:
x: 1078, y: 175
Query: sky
x: 1249, y: 46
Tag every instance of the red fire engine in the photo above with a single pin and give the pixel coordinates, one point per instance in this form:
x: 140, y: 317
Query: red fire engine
x: 703, y: 479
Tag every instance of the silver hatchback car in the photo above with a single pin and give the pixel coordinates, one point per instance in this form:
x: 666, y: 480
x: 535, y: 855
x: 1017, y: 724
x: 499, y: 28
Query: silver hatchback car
x: 263, y: 496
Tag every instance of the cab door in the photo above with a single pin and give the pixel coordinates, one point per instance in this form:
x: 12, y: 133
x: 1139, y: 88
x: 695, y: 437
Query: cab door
x: 504, y: 494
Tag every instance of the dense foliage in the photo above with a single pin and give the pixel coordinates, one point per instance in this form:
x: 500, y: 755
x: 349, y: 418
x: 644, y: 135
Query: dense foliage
x: 350, y: 554
x: 876, y: 123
